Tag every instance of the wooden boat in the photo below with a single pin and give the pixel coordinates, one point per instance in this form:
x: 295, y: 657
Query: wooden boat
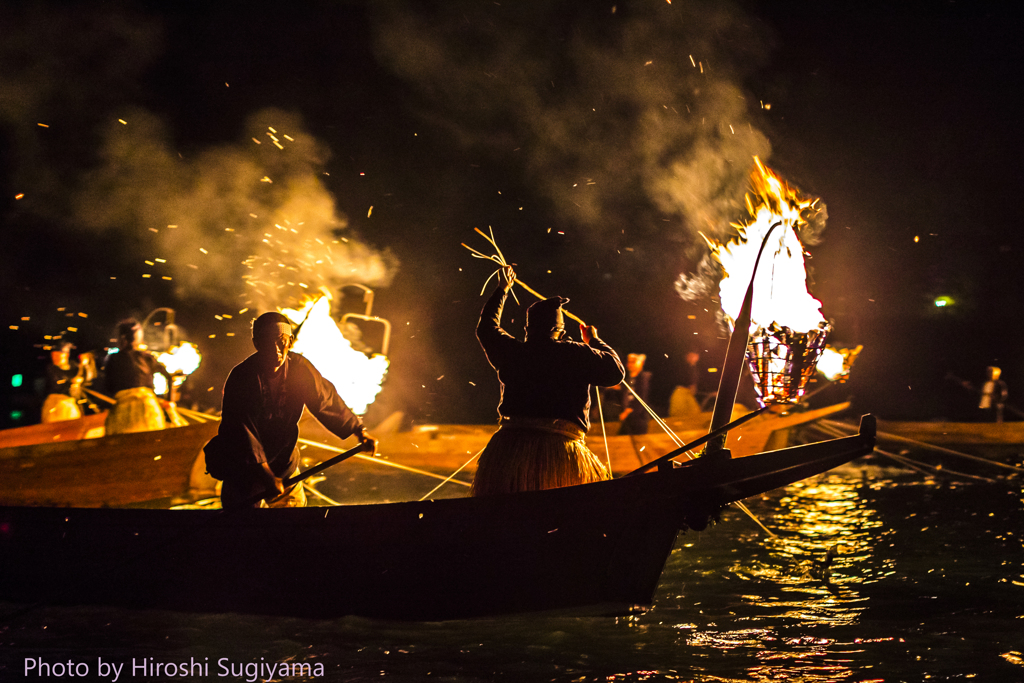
x: 70, y: 464
x: 959, y: 434
x: 596, y: 548
x: 68, y: 469
x: 445, y: 448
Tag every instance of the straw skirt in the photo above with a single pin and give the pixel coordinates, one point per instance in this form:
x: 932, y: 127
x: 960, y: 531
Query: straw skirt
x: 60, y: 407
x: 136, y: 410
x: 529, y: 454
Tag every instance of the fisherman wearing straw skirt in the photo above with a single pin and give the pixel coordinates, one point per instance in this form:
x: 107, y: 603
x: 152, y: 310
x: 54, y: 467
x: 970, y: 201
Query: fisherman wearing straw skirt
x: 545, y: 398
x: 129, y: 378
x: 63, y: 386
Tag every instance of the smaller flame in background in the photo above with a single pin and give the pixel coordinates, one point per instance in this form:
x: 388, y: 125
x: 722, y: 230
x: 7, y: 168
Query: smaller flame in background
x: 835, y: 363
x: 183, y: 358
x: 356, y: 376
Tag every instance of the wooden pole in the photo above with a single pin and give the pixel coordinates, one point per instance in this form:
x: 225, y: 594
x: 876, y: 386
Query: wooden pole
x: 733, y: 368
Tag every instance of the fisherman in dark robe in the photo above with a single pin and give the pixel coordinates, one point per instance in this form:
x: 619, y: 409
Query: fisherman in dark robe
x: 128, y: 375
x: 255, y: 447
x: 545, y: 398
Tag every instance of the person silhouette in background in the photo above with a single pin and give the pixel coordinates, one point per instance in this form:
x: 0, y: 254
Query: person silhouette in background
x: 993, y: 396
x: 63, y: 386
x: 128, y: 373
x: 633, y: 416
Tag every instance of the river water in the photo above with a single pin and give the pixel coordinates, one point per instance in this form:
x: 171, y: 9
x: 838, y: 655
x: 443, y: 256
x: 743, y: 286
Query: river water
x: 927, y: 585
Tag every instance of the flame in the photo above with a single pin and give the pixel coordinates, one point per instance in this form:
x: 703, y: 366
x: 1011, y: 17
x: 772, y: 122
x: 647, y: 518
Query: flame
x: 835, y: 363
x: 780, y: 287
x: 356, y: 376
x: 184, y: 358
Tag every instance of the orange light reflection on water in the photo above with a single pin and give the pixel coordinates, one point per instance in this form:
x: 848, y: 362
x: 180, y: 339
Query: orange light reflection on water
x: 789, y: 584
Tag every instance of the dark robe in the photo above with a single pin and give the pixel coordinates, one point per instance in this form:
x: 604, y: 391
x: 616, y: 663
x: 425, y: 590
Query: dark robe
x: 260, y: 419
x: 541, y: 377
x: 59, y: 380
x: 128, y: 369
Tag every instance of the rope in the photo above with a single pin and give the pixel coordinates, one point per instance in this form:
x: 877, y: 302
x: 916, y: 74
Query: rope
x: 939, y: 449
x: 380, y: 461
x: 450, y: 477
x: 661, y: 423
x: 922, y: 467
x: 604, y: 432
x: 309, y: 487
x: 332, y: 449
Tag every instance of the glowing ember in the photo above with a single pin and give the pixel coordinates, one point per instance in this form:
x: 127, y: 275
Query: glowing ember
x: 783, y: 362
x: 356, y: 376
x: 184, y: 358
x: 780, y: 288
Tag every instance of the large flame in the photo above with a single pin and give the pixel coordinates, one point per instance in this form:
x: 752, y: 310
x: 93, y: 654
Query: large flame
x: 183, y: 358
x: 780, y: 287
x: 356, y: 376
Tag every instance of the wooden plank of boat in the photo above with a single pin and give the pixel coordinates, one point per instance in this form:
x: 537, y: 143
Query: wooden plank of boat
x: 444, y: 448
x: 117, y: 470
x: 87, y: 427
x: 164, y: 467
x: 953, y: 434
x: 596, y: 548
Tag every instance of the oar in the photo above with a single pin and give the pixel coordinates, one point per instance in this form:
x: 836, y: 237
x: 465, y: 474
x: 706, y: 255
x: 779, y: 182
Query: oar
x: 288, y: 482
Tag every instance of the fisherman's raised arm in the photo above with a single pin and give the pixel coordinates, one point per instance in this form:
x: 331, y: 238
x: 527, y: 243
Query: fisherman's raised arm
x: 488, y: 330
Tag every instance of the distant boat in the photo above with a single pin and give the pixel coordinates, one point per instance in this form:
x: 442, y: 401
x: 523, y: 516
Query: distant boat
x: 591, y: 549
x: 71, y: 464
x: 958, y: 434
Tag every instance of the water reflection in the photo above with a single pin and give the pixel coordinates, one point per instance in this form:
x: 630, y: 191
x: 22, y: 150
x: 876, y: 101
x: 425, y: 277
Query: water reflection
x: 796, y: 583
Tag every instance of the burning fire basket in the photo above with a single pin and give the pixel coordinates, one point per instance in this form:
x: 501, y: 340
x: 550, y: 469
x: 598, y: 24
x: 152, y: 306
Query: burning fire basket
x: 783, y: 361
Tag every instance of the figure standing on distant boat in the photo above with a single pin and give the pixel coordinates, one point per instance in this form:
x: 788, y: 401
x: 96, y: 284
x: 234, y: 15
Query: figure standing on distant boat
x: 128, y: 376
x: 633, y: 417
x: 545, y: 398
x: 63, y: 385
x: 993, y: 396
x: 264, y: 395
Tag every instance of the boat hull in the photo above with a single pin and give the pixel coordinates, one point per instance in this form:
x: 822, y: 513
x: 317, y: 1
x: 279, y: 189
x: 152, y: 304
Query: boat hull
x: 119, y: 470
x: 597, y: 547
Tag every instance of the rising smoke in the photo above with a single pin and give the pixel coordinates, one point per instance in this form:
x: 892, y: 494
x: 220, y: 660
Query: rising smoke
x: 255, y: 212
x: 249, y: 221
x: 622, y: 113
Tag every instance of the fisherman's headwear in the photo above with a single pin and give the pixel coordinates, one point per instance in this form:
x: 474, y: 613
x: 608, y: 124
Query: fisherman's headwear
x: 545, y: 316
x: 127, y: 328
x: 272, y: 323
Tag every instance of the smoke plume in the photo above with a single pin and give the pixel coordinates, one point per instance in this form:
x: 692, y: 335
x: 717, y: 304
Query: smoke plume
x: 255, y: 212
x: 621, y: 114
x: 249, y: 221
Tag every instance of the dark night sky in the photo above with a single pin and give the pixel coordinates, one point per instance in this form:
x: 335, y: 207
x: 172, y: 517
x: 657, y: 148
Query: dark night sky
x: 580, y: 131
